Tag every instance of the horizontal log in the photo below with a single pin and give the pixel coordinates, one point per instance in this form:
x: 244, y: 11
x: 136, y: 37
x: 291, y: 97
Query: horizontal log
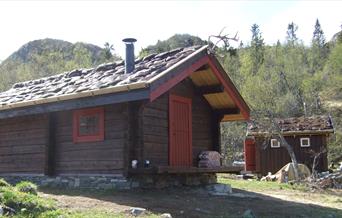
x: 151, y: 112
x: 153, y: 121
x: 89, y: 172
x: 107, y: 144
x: 156, y: 138
x: 28, y: 149
x: 153, y: 148
x: 89, y: 165
x: 90, y: 155
x: 152, y: 130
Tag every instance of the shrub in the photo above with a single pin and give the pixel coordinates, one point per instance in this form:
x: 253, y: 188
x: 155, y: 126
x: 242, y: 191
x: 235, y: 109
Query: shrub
x: 3, y: 183
x: 25, y: 202
x: 27, y: 187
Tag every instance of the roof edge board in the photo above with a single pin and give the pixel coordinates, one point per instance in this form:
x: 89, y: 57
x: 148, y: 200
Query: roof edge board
x: 78, y: 103
x: 303, y: 132
x: 108, y: 90
x: 232, y: 91
x: 177, y: 64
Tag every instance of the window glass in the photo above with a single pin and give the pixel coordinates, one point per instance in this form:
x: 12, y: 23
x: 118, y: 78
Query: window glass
x: 89, y: 125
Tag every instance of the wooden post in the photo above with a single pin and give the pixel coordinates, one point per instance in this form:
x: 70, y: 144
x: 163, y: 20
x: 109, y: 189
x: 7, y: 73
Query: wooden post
x: 216, y: 132
x: 134, y: 136
x: 50, y: 145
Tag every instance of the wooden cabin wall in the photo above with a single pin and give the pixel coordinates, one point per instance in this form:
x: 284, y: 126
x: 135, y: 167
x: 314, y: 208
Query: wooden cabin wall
x: 104, y: 157
x: 156, y: 125
x: 22, y: 144
x: 273, y: 159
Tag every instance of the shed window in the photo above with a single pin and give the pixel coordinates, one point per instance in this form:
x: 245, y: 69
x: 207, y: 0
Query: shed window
x: 304, y: 142
x: 275, y: 143
x: 88, y: 125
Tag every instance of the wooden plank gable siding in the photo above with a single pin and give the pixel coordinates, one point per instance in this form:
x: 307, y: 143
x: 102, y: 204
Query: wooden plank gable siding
x: 272, y: 159
x: 101, y: 157
x: 22, y: 144
x: 155, y: 125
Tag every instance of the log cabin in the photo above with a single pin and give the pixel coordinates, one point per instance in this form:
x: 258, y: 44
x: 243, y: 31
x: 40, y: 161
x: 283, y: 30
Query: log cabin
x: 308, y: 136
x: 159, y: 111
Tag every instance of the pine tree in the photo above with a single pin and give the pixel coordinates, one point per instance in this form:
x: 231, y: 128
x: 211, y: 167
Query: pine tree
x: 318, y: 35
x: 108, y: 49
x: 291, y: 35
x: 319, y: 49
x: 257, y: 48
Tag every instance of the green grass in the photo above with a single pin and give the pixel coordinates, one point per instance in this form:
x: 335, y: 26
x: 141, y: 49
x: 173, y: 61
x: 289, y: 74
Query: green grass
x: 260, y: 185
x: 94, y: 213
x: 26, y: 204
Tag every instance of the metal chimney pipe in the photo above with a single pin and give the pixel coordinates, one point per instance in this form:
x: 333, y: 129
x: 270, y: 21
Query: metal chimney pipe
x: 129, y: 61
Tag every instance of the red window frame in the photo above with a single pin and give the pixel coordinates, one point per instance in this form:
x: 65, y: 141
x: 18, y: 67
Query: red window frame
x: 76, y: 123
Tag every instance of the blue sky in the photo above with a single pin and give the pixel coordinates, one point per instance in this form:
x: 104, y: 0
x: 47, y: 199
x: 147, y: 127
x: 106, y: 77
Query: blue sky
x: 98, y: 22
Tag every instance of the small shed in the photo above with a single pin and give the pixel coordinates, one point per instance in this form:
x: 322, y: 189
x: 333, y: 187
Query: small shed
x: 307, y: 136
x: 160, y: 111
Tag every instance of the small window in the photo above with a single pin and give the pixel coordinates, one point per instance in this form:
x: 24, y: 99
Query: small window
x: 304, y: 142
x: 275, y: 143
x: 88, y: 125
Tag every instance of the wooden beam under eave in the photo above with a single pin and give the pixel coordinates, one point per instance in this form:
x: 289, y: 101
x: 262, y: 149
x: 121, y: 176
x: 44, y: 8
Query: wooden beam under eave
x: 228, y: 111
x: 205, y: 90
x: 233, y: 117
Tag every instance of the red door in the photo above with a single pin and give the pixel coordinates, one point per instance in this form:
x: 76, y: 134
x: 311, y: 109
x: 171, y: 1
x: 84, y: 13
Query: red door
x: 250, y: 162
x: 180, y: 131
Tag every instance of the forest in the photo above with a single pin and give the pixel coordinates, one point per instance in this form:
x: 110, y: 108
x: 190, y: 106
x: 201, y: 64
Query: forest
x: 288, y: 78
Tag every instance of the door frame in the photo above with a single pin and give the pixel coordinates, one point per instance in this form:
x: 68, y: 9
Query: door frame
x: 187, y: 101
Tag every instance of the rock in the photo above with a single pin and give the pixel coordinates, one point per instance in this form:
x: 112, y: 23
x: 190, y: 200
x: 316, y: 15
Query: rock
x: 105, y: 67
x: 137, y: 211
x: 8, y: 211
x: 165, y: 215
x: 219, y: 189
x: 248, y: 214
x: 75, y: 73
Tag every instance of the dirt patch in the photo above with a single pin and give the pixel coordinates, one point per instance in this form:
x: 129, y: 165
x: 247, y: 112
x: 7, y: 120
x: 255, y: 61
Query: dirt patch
x: 190, y: 202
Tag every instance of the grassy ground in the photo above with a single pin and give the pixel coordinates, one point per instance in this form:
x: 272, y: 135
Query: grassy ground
x: 265, y: 199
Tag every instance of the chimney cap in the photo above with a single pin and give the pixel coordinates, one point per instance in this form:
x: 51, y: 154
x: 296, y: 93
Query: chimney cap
x: 129, y: 40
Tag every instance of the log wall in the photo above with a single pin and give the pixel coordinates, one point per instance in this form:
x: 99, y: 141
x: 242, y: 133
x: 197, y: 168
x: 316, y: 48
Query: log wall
x: 22, y: 144
x: 103, y: 157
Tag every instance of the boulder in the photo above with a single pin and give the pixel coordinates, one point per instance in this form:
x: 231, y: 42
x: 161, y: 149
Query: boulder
x: 219, y: 189
x: 165, y: 215
x: 137, y: 211
x: 248, y: 214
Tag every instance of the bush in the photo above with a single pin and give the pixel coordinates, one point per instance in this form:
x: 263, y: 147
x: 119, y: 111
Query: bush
x: 25, y: 203
x: 27, y: 187
x: 3, y: 183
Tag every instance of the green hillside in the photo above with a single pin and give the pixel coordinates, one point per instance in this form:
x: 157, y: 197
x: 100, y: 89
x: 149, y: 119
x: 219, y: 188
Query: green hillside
x: 45, y: 57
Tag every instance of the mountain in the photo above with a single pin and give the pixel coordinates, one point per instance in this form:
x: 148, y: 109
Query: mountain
x: 45, y: 57
x: 175, y: 41
x: 25, y: 53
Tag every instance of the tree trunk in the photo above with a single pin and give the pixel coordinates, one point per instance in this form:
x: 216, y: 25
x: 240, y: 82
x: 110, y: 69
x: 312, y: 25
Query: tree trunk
x: 292, y: 156
x: 288, y: 147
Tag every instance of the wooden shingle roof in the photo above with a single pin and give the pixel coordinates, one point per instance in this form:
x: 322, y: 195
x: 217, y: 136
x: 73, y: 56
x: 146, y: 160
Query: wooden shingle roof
x: 108, y: 83
x: 105, y: 76
x: 296, y: 125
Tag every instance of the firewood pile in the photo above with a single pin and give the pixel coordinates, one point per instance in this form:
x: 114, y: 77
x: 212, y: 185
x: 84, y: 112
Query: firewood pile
x: 329, y: 180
